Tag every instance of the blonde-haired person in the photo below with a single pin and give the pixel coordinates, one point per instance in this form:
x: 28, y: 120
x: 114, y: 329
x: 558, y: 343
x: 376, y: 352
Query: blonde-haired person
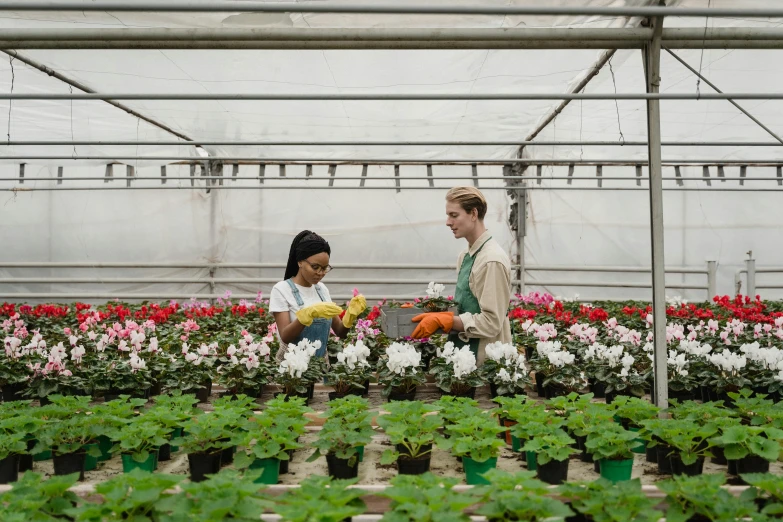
x: 483, y: 280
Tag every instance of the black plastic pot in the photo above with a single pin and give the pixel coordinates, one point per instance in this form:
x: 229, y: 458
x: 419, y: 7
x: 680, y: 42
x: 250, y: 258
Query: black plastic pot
x: 115, y: 394
x: 414, y: 466
x: 398, y: 396
x: 691, y: 470
x: 203, y: 464
x: 26, y: 461
x: 310, y: 390
x: 553, y: 472
x: 584, y: 455
x: 611, y: 396
x: 164, y: 453
x: 540, y: 384
x: 552, y: 391
x: 366, y: 389
x: 598, y: 388
x: 732, y: 467
x: 156, y: 389
x: 69, y: 463
x: 202, y: 394
x: 338, y: 395
x: 13, y: 392
x: 227, y: 456
x: 341, y: 468
x: 597, y: 466
x: 9, y: 469
x: 302, y: 395
x: 284, y: 466
x: 469, y: 393
x: 752, y: 464
x: 44, y: 401
x: 718, y: 456
x: 664, y: 464
x: 651, y: 454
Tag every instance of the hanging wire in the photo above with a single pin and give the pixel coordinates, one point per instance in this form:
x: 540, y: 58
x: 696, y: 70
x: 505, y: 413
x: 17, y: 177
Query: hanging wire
x: 10, y: 102
x: 616, y: 105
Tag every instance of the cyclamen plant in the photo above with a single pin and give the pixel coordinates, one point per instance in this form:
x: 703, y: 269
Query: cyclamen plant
x: 300, y: 367
x: 401, y: 369
x: 455, y: 369
x: 435, y: 302
x: 245, y: 368
x: 505, y: 367
x: 557, y: 366
x: 351, y: 370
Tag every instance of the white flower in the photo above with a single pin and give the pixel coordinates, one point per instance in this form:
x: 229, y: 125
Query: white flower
x: 401, y: 357
x: 123, y: 346
x: 297, y: 358
x: 727, y: 361
x: 137, y: 363
x: 77, y: 352
x: 153, y: 347
x: 73, y: 340
x: 435, y: 290
x: 251, y: 361
x: 354, y: 355
x: 231, y: 350
x: 560, y: 359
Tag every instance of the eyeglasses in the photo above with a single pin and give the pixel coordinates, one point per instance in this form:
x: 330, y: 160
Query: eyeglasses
x: 319, y: 268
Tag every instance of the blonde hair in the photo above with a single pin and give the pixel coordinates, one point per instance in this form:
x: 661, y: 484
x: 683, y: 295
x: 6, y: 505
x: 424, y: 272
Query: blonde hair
x: 469, y: 198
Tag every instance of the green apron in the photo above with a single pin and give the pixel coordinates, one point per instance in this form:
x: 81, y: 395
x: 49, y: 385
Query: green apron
x: 466, y: 301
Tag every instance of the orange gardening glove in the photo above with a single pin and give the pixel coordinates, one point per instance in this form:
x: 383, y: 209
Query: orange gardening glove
x: 430, y: 322
x: 407, y: 305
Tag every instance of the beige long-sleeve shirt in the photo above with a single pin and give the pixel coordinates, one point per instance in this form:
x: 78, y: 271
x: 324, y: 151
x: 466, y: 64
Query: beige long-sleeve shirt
x: 490, y: 282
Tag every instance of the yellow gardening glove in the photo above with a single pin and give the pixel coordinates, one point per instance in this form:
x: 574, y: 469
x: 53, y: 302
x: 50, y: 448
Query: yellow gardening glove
x: 357, y: 305
x: 321, y: 310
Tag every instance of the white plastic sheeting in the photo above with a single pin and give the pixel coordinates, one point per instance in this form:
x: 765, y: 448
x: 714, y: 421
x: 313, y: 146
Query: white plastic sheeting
x: 564, y: 228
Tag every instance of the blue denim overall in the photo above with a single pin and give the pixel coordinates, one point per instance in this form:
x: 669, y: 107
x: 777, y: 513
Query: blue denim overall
x: 320, y: 328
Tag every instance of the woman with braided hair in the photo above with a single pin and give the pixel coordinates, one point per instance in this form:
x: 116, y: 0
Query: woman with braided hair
x: 301, y: 304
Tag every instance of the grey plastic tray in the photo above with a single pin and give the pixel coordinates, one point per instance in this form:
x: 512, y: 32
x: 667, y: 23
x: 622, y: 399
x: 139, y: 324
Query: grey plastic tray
x: 396, y: 322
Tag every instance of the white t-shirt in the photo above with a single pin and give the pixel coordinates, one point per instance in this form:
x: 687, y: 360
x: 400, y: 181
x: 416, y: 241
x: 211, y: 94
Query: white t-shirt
x: 282, y: 298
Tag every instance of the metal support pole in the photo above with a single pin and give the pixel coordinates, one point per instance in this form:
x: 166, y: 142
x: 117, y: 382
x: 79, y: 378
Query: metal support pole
x: 750, y: 266
x: 712, y: 279
x: 652, y: 62
x: 521, y: 233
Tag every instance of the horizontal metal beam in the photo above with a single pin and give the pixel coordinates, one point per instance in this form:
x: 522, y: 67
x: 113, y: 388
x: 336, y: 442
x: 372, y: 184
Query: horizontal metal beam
x: 207, y: 280
x: 217, y: 266
x: 392, y: 96
x: 380, y: 8
x: 395, y: 161
x: 387, y: 38
x: 705, y: 190
x: 390, y: 178
x: 379, y: 143
x: 24, y: 296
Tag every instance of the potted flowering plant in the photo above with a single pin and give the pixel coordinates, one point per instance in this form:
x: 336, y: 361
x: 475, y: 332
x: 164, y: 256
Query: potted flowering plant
x: 412, y: 427
x: 505, y: 370
x: 16, y: 365
x: 67, y: 438
x: 12, y: 445
x: 556, y: 370
x: 475, y: 439
x: 193, y: 370
x: 618, y: 370
x: 244, y: 369
x: 455, y: 371
x: 54, y: 377
x: 351, y: 370
x: 724, y: 373
x: 347, y: 428
x: 435, y: 302
x: 400, y: 372
x: 300, y: 369
x: 119, y: 376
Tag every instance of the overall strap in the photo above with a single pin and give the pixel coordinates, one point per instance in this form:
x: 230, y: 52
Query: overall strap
x: 318, y: 290
x: 295, y: 291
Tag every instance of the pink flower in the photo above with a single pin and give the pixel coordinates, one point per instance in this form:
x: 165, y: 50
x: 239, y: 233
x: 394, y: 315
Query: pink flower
x: 244, y: 333
x: 84, y: 327
x: 66, y: 373
x: 355, y: 292
x: 183, y: 337
x: 67, y: 331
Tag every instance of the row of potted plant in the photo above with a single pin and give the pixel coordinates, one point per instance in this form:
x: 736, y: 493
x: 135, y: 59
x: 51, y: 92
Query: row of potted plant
x: 230, y: 495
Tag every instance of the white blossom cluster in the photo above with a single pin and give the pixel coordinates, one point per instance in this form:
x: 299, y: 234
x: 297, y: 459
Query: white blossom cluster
x: 511, y: 361
x: 354, y: 356
x: 249, y: 352
x: 727, y: 361
x: 435, y: 290
x: 402, y: 357
x: 462, y: 359
x: 297, y: 358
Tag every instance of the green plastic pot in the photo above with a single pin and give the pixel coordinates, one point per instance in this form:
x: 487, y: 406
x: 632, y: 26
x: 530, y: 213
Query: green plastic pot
x: 104, y: 445
x: 90, y: 463
x: 44, y: 455
x: 474, y: 470
x: 271, y: 471
x: 176, y: 433
x: 642, y: 446
x: 360, y: 450
x: 532, y: 462
x: 128, y: 464
x: 516, y: 443
x: 616, y: 470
